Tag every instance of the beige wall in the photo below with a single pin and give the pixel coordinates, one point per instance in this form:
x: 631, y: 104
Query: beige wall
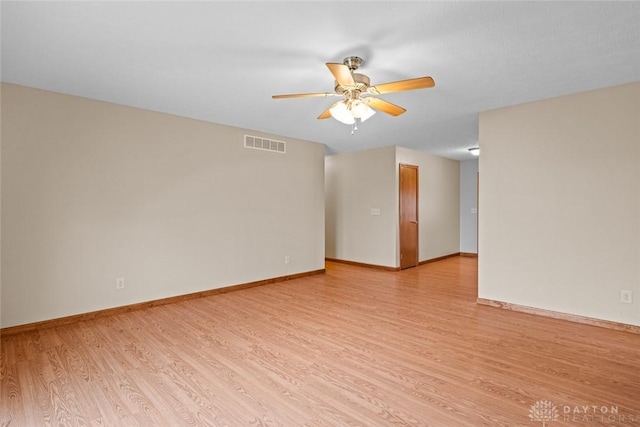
x: 93, y: 191
x: 439, y: 203
x: 469, y: 206
x: 355, y: 183
x: 560, y: 204
x: 1, y: 203
x: 359, y: 181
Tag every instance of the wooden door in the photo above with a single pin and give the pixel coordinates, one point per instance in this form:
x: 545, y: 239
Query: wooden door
x: 408, y: 216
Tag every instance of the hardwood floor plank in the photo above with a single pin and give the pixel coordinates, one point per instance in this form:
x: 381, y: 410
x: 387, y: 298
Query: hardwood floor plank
x: 352, y: 347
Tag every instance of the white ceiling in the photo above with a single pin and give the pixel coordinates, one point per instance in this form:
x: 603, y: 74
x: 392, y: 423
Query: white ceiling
x: 222, y: 61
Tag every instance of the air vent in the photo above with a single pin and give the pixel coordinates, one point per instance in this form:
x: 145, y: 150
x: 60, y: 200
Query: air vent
x: 258, y: 143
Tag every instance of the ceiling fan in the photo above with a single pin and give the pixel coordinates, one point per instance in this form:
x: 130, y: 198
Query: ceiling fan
x: 359, y: 102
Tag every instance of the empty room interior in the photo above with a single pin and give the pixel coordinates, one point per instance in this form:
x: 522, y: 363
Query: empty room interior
x: 319, y: 213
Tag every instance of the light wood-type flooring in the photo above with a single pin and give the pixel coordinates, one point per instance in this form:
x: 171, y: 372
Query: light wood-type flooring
x: 352, y: 347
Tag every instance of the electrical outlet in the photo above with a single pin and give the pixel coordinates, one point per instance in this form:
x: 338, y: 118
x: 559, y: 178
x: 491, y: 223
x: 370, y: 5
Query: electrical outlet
x: 626, y: 297
x: 120, y: 283
x: 287, y: 259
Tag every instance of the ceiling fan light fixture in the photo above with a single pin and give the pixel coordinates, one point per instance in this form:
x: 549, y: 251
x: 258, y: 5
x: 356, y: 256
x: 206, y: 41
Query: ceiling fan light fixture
x: 348, y: 111
x: 361, y: 110
x: 340, y: 111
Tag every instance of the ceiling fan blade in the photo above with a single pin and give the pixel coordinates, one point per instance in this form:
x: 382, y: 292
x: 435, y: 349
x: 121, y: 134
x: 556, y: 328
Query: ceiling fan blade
x: 342, y: 74
x: 327, y: 113
x: 402, y: 85
x: 304, y: 95
x: 384, y: 106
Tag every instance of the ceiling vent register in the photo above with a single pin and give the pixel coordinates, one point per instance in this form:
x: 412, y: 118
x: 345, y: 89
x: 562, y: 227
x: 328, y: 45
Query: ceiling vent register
x: 265, y: 144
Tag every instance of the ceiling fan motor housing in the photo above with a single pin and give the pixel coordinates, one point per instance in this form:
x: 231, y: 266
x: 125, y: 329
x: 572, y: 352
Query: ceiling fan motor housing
x: 362, y: 84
